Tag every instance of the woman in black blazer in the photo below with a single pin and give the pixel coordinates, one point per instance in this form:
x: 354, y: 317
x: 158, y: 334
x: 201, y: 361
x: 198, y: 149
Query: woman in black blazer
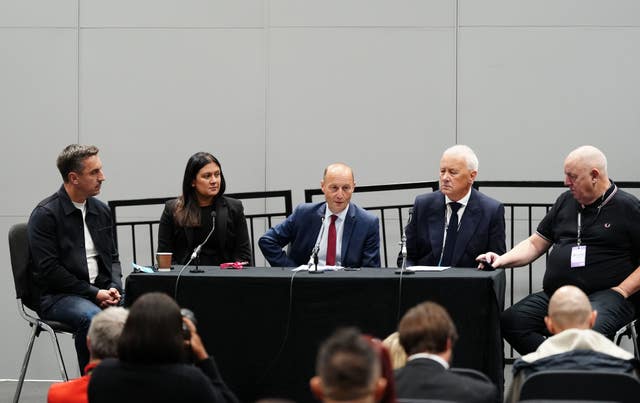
x: 187, y: 220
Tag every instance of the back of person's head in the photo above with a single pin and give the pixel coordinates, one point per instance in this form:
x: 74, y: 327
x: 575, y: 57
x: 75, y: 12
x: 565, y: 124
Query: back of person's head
x: 104, y: 332
x: 152, y: 333
x: 347, y: 369
x: 427, y: 328
x: 397, y: 353
x: 569, y: 308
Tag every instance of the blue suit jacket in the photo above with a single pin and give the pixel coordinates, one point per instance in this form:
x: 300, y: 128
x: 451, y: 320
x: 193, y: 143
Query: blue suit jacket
x: 360, y: 237
x: 481, y: 230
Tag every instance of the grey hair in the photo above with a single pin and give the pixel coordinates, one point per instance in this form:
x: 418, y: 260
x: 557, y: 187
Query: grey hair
x: 71, y: 159
x: 104, y: 332
x: 466, y: 152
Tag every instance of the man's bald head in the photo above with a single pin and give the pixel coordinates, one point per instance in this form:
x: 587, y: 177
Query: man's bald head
x: 589, y: 157
x: 585, y: 174
x: 569, y: 308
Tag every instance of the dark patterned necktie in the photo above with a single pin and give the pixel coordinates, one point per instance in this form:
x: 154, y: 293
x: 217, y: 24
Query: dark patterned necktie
x: 452, y: 235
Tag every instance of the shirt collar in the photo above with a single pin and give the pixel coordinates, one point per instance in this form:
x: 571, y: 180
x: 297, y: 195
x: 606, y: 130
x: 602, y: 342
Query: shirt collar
x: 341, y: 215
x: 433, y: 357
x: 464, y: 201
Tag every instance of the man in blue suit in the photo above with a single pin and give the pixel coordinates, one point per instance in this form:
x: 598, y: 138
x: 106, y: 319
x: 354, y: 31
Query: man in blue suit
x: 438, y: 237
x: 346, y: 235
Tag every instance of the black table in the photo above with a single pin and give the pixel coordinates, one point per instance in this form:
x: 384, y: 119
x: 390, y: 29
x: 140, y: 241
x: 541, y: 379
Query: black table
x: 264, y: 325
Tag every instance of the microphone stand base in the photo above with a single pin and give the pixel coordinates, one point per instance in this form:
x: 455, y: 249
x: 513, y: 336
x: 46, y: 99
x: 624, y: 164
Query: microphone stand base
x: 316, y: 271
x: 405, y: 272
x: 196, y: 270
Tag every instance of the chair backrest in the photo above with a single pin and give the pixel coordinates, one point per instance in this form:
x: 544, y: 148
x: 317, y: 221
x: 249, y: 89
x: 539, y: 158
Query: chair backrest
x: 581, y: 385
x: 471, y: 373
x: 20, y: 264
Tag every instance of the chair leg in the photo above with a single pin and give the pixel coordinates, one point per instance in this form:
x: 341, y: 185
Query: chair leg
x: 56, y: 347
x: 25, y: 363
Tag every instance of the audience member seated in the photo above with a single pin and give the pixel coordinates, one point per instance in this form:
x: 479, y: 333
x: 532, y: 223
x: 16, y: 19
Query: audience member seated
x: 348, y: 369
x: 187, y: 221
x: 428, y: 334
x: 398, y: 356
x: 102, y: 341
x: 574, y: 345
x: 152, y: 367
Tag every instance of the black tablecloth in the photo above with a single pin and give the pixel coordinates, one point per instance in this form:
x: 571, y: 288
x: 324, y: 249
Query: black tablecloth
x: 264, y: 325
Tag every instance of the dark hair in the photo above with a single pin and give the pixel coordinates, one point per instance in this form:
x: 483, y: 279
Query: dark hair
x: 426, y: 328
x: 347, y: 365
x: 152, y: 333
x: 71, y: 159
x: 187, y: 213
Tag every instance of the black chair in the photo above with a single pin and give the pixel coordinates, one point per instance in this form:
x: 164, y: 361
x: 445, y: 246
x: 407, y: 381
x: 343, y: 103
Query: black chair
x: 471, y: 373
x: 580, y: 385
x: 629, y: 330
x: 19, y: 250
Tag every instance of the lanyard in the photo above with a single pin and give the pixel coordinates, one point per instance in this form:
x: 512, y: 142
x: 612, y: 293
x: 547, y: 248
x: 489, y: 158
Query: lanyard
x: 615, y: 189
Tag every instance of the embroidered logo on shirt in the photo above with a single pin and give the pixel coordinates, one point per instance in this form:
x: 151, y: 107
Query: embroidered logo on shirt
x: 607, y: 225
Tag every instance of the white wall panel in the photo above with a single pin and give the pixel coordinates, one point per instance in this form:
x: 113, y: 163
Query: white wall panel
x: 380, y: 100
x: 549, y: 12
x: 529, y: 96
x: 434, y: 13
x: 154, y: 97
x: 38, y: 112
x: 172, y: 13
x: 38, y: 13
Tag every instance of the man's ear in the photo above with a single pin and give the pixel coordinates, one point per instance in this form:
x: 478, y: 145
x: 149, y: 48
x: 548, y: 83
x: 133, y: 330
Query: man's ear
x: 73, y: 177
x: 381, y: 387
x: 549, y: 323
x: 592, y: 318
x: 473, y: 175
x: 315, y: 384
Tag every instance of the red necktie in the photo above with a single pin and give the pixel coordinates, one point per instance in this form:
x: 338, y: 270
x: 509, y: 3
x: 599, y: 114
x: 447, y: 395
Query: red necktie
x: 331, y: 242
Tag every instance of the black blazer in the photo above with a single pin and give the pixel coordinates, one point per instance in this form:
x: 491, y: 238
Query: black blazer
x: 56, y: 244
x: 423, y: 378
x: 231, y: 234
x: 158, y: 383
x: 481, y: 230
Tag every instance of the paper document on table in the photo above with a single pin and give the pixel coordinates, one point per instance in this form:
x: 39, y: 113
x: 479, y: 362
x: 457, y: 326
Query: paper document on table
x: 427, y: 268
x: 305, y: 267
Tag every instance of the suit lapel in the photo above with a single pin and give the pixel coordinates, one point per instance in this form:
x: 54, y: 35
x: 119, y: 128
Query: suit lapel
x: 470, y: 219
x: 436, y: 225
x: 349, y: 224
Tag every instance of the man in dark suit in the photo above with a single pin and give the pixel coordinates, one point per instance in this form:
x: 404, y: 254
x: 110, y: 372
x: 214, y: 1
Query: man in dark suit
x: 349, y: 236
x: 436, y: 236
x: 427, y: 334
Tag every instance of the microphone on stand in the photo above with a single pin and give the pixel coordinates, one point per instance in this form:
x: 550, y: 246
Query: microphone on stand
x: 403, y: 248
x: 316, y: 249
x: 196, y: 252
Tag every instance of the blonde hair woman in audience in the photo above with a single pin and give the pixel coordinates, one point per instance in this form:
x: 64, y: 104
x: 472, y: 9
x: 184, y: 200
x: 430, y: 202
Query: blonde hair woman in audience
x: 398, y: 355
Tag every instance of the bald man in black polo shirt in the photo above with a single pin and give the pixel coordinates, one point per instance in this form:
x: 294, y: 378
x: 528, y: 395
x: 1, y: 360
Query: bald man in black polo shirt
x: 594, y: 229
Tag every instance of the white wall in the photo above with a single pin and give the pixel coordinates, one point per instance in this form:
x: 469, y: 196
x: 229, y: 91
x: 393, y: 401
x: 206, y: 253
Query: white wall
x: 279, y: 88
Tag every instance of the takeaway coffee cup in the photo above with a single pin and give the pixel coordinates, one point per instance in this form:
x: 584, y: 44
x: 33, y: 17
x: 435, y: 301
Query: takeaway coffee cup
x: 164, y: 260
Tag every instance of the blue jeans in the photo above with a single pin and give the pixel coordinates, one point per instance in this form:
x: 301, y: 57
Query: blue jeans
x: 523, y: 324
x: 74, y: 311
